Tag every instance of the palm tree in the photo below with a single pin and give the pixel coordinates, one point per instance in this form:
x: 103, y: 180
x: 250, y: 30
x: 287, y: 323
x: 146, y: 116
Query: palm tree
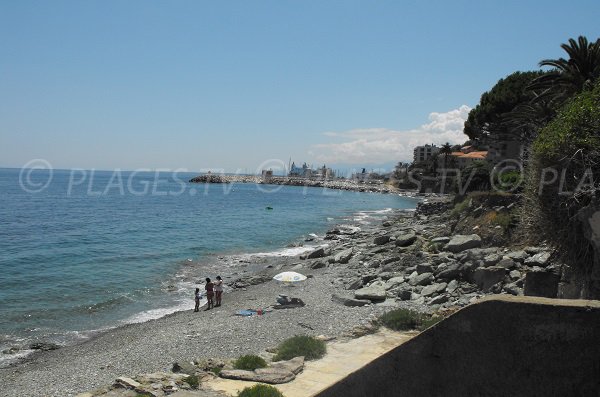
x: 446, y: 150
x: 573, y: 75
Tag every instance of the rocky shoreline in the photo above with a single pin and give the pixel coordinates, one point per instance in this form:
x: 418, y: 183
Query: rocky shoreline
x: 412, y: 259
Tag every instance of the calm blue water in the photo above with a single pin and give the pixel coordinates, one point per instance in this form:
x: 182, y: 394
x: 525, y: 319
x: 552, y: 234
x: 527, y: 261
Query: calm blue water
x: 94, y: 250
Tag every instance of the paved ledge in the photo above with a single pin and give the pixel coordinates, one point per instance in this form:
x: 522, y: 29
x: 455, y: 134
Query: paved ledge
x: 500, y: 346
x: 342, y: 359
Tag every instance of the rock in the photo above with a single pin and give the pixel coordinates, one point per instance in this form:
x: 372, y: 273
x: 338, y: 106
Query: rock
x: 461, y: 242
x: 513, y: 289
x: 404, y: 293
x: 366, y: 278
x: 421, y: 279
x: 543, y: 284
x: 380, y: 240
x: 514, y: 274
x: 344, y: 256
x: 486, y: 277
x: 506, y: 263
x: 533, y: 250
x: 44, y: 346
x: 452, y: 286
x: 318, y: 253
x: 373, y: 293
x: 295, y: 365
x: 540, y: 259
x: 405, y: 239
x: 393, y: 282
x: 433, y: 289
x: 424, y: 268
x: 187, y: 393
x: 354, y: 284
x: 318, y: 265
x: 438, y: 300
x: 451, y: 272
x: 266, y: 375
x: 127, y: 383
x: 491, y: 259
x: 477, y: 254
x: 441, y: 240
x: 350, y: 302
x: 519, y: 256
x: 184, y: 367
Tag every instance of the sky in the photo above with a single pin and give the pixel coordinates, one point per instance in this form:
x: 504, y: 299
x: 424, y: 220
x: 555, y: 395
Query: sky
x: 244, y: 85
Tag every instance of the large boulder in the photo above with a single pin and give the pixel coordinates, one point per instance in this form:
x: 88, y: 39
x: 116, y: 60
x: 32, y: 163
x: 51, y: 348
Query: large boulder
x: 318, y: 253
x: 280, y: 372
x: 380, y: 240
x: 393, y: 282
x: 541, y: 284
x: 541, y: 259
x: 433, y: 289
x: 405, y: 239
x: 421, y: 279
x: 372, y: 293
x: 486, y: 277
x: 462, y: 242
x: 350, y: 302
x: 451, y: 272
x: 343, y: 256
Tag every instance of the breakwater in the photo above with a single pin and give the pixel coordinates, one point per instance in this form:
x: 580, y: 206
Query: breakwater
x: 376, y: 186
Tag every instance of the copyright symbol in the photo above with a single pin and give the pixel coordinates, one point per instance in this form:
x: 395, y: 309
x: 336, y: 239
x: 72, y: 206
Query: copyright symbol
x: 270, y: 165
x: 35, y: 183
x: 504, y: 168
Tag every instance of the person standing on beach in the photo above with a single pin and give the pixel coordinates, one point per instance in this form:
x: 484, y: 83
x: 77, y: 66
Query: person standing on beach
x: 197, y: 297
x: 218, y: 291
x: 209, y: 287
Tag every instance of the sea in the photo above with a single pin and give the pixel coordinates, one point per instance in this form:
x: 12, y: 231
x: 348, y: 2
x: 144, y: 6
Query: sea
x: 83, y: 251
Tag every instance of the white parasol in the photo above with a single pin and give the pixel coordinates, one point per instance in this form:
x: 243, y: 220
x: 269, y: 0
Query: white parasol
x: 289, y: 277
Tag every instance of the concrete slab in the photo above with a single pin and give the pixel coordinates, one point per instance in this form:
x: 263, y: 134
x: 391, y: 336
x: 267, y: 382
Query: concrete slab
x: 342, y: 359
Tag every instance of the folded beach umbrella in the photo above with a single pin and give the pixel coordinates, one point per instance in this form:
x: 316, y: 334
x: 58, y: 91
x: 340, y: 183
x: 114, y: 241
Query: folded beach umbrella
x: 289, y: 277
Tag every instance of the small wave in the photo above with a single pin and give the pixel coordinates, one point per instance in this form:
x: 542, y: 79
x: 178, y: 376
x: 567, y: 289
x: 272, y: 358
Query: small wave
x: 154, y: 314
x: 293, y: 251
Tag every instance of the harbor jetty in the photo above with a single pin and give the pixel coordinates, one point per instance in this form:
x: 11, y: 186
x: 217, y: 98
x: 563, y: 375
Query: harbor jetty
x: 375, y: 186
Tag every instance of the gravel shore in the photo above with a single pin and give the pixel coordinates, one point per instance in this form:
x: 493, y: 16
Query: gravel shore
x: 413, y: 259
x: 155, y: 345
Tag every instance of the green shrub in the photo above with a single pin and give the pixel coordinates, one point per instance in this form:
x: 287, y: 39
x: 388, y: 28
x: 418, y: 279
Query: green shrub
x: 249, y: 363
x: 193, y: 381
x: 401, y: 319
x: 404, y: 320
x: 302, y: 345
x: 460, y: 208
x: 504, y: 219
x: 215, y: 370
x: 260, y: 391
x: 428, y: 322
x: 508, y: 181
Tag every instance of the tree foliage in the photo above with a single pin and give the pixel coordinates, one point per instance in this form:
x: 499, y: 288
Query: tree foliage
x: 573, y: 75
x: 489, y: 116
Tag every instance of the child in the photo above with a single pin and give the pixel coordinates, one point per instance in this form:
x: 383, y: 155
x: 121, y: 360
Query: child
x: 197, y: 296
x: 209, y: 293
x: 218, y: 291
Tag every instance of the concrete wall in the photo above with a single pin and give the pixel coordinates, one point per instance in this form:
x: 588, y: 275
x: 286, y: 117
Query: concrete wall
x: 504, y: 346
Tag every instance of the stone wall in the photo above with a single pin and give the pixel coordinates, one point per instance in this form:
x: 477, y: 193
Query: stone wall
x: 503, y: 346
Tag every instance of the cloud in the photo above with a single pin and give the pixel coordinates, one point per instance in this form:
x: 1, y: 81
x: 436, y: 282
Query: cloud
x: 382, y: 145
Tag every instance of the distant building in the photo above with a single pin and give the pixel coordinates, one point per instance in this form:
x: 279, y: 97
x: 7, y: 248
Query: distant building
x: 424, y: 153
x: 267, y: 175
x: 361, y: 176
x: 301, y: 172
x: 465, y: 157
